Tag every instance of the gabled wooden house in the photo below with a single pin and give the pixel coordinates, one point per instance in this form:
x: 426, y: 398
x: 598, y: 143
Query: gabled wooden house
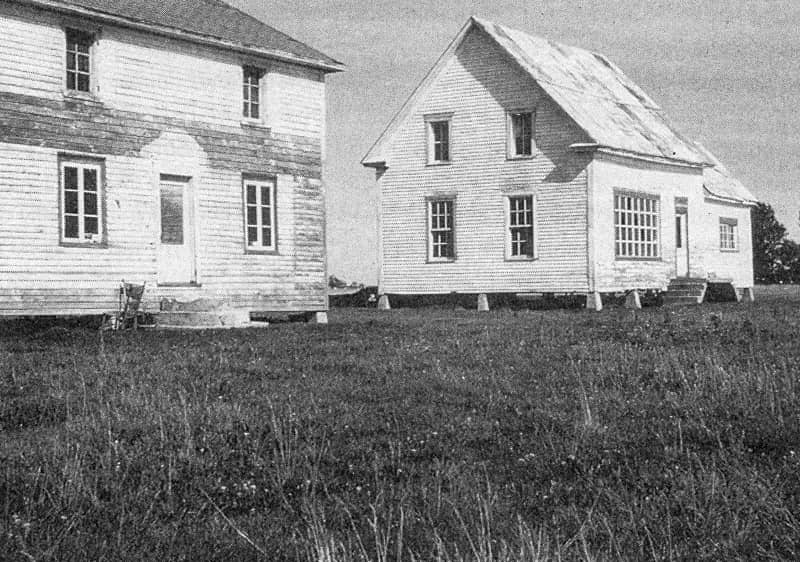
x: 177, y: 144
x: 523, y: 166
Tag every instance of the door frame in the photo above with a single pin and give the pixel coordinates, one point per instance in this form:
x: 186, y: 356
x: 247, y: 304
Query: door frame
x: 190, y: 231
x: 682, y: 217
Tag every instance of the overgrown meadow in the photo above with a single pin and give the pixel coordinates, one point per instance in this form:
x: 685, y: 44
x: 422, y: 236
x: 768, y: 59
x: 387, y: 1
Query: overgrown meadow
x: 430, y: 434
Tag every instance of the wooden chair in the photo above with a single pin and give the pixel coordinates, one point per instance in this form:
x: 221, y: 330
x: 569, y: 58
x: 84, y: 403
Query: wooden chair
x: 130, y: 299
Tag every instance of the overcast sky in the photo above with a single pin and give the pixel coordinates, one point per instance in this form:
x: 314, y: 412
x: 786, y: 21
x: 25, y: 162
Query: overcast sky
x: 727, y: 73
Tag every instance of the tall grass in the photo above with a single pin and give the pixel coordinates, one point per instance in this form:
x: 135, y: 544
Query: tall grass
x: 665, y: 434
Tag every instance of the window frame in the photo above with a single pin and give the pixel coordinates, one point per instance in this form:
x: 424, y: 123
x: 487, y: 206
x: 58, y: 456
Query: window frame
x: 259, y: 182
x: 509, y: 239
x: 637, y: 228
x: 732, y: 224
x: 98, y: 240
x: 511, y: 141
x: 259, y: 73
x: 429, y: 203
x: 93, y: 35
x: 430, y: 141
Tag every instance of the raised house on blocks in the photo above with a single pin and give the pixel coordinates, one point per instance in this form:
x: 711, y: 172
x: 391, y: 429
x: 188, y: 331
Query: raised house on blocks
x: 523, y: 166
x: 175, y: 144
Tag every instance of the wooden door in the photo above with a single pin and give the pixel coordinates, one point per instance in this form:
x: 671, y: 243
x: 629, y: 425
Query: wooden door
x: 176, y: 253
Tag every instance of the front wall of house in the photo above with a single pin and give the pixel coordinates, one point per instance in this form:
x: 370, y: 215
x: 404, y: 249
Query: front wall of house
x: 478, y: 87
x: 612, y: 174
x: 162, y: 107
x: 728, y: 264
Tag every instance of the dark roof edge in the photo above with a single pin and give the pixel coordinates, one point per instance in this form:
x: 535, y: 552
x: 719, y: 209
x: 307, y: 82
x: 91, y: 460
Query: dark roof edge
x: 710, y: 194
x: 656, y: 158
x: 57, y: 6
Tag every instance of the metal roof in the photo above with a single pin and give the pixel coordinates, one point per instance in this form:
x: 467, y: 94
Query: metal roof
x: 208, y: 20
x: 596, y: 94
x: 719, y: 182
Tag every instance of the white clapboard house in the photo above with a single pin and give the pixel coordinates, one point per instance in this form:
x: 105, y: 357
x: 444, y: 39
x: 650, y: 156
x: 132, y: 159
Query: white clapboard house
x: 173, y: 143
x: 520, y: 165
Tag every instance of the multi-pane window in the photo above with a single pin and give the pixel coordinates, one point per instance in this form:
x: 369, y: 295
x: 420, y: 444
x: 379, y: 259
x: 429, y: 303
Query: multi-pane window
x: 521, y: 129
x: 520, y: 225
x: 79, y: 53
x: 636, y: 226
x: 80, y: 202
x: 728, y: 234
x: 260, y: 214
x: 442, y: 239
x: 251, y: 93
x: 439, y: 141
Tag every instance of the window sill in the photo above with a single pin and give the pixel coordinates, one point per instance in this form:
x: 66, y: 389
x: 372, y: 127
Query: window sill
x: 521, y: 157
x: 190, y: 285
x: 79, y: 96
x: 729, y: 250
x: 440, y: 260
x: 626, y: 258
x: 436, y: 164
x: 254, y: 124
x: 90, y: 245
x: 523, y: 259
x: 264, y: 252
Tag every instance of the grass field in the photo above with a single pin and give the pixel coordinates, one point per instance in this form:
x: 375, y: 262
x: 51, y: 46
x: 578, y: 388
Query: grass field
x: 432, y: 434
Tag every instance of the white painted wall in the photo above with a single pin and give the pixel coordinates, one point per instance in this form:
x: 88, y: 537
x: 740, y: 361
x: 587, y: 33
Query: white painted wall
x: 724, y: 264
x: 478, y: 87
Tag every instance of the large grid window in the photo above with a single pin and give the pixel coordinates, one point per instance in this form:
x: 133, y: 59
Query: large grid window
x: 80, y: 202
x: 521, y: 132
x: 260, y: 214
x: 79, y: 64
x: 520, y: 226
x: 442, y: 232
x: 439, y: 141
x: 728, y: 234
x: 636, y: 226
x: 251, y: 93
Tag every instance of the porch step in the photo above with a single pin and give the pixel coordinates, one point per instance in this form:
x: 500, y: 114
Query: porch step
x: 685, y: 291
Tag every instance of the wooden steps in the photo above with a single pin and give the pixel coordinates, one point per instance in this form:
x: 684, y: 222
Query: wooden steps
x: 685, y: 291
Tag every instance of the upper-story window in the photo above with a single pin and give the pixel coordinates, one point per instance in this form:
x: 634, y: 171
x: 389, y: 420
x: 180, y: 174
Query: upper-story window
x: 79, y: 60
x: 520, y: 133
x: 251, y: 92
x: 439, y: 138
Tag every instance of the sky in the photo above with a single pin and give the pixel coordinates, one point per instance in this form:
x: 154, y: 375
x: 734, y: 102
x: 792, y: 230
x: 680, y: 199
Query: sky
x: 726, y: 72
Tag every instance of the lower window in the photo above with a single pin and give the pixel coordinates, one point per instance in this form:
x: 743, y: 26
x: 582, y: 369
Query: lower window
x: 728, y: 234
x: 636, y: 226
x: 81, y: 191
x: 441, y: 242
x: 520, y: 227
x: 260, y: 214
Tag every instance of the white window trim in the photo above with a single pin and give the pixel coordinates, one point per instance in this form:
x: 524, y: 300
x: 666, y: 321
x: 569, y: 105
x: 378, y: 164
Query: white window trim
x: 81, y: 240
x: 508, y: 246
x: 733, y: 224
x: 94, y: 82
x: 510, y: 141
x: 260, y: 247
x: 429, y: 227
x: 653, y: 228
x: 429, y: 142
x: 261, y: 120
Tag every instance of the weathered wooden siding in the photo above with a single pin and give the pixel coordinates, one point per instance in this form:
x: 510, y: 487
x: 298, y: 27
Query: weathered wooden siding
x: 161, y: 105
x: 611, y: 173
x: 478, y: 87
x: 718, y: 264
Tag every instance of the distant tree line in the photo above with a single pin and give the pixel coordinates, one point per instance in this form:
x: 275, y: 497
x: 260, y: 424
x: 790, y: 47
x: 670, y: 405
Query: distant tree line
x: 776, y: 258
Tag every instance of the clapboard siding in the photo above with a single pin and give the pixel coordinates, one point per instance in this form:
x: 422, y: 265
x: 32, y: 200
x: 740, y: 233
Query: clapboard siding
x: 161, y: 106
x: 478, y: 86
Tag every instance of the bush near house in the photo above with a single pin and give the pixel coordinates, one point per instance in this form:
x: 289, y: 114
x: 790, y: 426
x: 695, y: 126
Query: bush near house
x: 409, y: 435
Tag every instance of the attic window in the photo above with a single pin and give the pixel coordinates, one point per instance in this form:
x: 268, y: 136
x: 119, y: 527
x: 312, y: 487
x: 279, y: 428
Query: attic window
x: 438, y: 129
x: 79, y: 63
x: 520, y: 134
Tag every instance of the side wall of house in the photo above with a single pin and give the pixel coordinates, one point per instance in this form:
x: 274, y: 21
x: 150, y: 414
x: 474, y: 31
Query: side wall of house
x: 612, y: 174
x: 478, y: 87
x: 735, y: 265
x: 158, y: 104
